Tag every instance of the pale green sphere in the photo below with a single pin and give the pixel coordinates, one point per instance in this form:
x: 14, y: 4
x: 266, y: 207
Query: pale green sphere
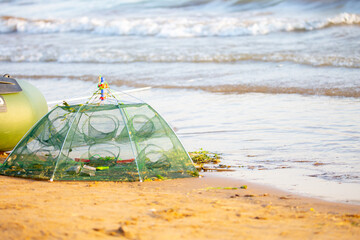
x: 22, y: 110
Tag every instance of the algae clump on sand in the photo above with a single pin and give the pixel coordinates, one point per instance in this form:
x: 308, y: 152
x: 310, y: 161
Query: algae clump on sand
x: 202, y: 156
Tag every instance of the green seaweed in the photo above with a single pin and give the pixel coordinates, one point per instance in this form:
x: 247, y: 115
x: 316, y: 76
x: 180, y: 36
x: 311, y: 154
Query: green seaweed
x: 203, y: 156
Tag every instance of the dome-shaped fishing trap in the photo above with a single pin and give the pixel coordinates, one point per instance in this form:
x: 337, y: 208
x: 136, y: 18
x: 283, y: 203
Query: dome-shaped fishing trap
x: 100, y: 141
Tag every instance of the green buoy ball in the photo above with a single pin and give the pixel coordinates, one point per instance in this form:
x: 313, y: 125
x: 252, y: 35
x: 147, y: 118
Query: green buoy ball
x: 21, y: 106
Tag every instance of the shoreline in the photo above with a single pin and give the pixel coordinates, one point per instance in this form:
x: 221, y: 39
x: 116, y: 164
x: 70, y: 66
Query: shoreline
x: 278, y: 190
x: 259, y: 188
x: 230, y: 180
x: 206, y: 208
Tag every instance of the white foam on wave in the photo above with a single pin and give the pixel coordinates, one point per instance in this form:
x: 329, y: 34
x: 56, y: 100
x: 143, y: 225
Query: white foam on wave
x: 177, y: 27
x: 101, y: 55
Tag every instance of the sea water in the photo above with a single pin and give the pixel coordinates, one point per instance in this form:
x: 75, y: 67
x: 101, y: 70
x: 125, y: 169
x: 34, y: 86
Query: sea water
x: 272, y: 85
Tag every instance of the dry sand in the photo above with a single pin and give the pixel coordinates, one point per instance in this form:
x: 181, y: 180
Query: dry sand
x: 197, y: 208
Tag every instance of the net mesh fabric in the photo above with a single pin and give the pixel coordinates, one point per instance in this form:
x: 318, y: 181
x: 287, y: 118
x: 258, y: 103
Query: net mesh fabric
x: 109, y: 142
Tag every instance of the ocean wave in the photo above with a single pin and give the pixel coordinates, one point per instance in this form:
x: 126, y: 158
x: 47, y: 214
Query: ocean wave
x: 121, y: 56
x: 173, y: 27
x: 352, y: 92
x: 35, y: 8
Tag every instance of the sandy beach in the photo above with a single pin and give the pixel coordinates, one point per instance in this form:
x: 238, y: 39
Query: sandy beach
x: 203, y: 208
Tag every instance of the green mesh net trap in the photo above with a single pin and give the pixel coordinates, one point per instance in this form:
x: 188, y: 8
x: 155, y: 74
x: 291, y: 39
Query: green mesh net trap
x: 101, y: 140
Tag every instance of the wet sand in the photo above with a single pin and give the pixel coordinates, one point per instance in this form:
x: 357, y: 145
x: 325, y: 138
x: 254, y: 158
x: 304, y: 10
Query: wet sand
x: 199, y: 208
